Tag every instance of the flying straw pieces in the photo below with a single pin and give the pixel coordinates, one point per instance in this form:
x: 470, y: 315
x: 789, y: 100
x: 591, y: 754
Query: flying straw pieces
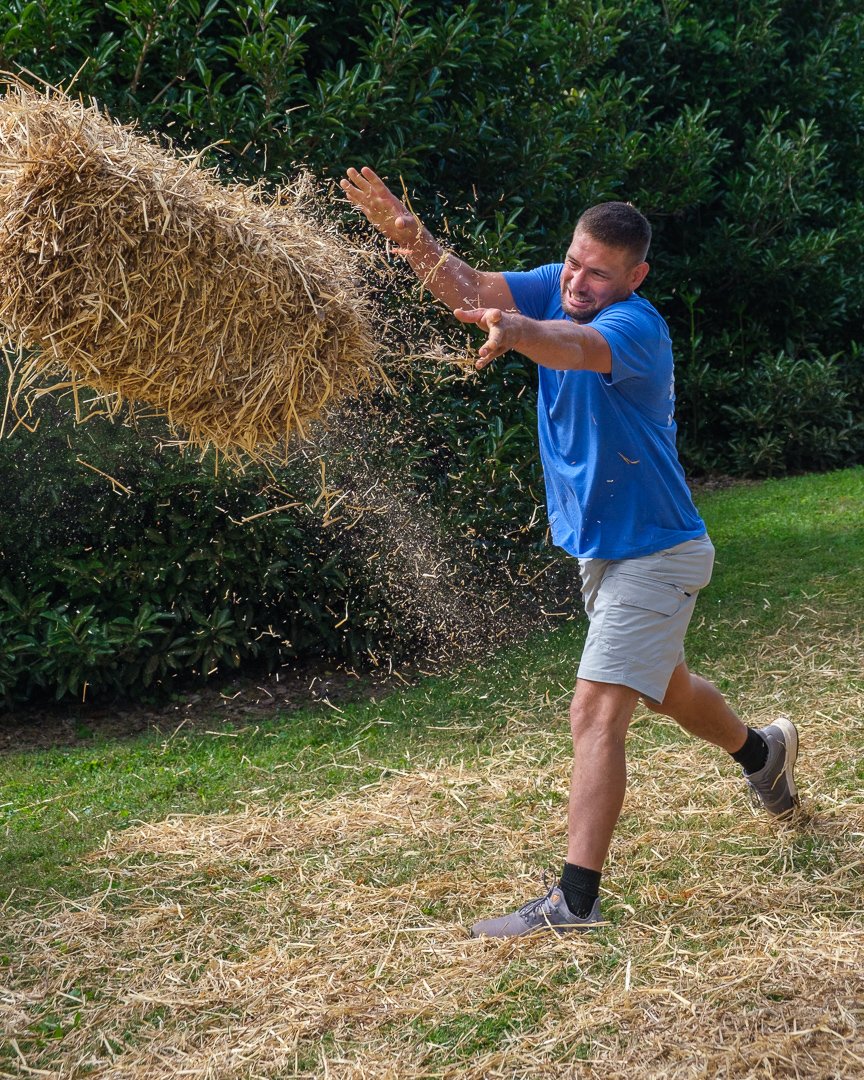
x: 131, y: 271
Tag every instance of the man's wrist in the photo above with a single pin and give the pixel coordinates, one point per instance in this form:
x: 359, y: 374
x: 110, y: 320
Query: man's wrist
x: 520, y: 326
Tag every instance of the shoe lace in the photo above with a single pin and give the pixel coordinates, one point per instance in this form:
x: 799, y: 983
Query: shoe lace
x: 549, y: 883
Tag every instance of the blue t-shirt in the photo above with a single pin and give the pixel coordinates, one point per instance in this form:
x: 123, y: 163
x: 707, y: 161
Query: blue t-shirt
x: 614, y: 486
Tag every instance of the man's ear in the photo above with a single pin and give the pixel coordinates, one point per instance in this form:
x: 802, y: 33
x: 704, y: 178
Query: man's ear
x: 640, y: 272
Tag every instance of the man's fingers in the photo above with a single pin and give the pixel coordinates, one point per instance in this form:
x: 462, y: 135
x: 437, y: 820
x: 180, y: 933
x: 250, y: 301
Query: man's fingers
x: 486, y: 357
x: 360, y: 185
x: 371, y: 176
x: 353, y: 180
x: 368, y: 192
x: 369, y: 182
x: 361, y: 179
x: 352, y: 188
x: 502, y: 333
x: 485, y: 317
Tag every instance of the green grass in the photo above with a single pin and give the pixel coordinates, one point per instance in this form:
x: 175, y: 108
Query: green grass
x: 782, y: 546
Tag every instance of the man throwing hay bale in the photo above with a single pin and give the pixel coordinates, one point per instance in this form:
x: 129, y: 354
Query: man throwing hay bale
x: 618, y: 503
x: 132, y: 272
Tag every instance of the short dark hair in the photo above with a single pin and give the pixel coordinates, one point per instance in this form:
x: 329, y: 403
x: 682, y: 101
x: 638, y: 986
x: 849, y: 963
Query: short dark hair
x: 619, y: 225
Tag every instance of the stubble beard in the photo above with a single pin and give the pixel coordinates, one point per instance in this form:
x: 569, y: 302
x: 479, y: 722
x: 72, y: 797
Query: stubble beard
x: 584, y: 316
x: 589, y: 314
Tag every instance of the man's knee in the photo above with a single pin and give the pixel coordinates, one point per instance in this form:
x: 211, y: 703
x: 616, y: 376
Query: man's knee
x: 601, y: 709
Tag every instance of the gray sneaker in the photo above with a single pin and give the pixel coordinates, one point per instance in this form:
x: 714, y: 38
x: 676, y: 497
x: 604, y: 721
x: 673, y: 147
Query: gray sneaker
x: 773, y: 787
x: 549, y: 912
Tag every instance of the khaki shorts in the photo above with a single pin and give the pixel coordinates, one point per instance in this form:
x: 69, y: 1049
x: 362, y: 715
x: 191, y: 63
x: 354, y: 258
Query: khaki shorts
x: 638, y: 611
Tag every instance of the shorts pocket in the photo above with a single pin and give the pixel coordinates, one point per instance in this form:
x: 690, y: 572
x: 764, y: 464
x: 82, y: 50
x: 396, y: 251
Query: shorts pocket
x: 660, y: 597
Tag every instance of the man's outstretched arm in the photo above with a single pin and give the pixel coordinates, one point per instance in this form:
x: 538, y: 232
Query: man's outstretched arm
x: 447, y: 277
x: 556, y: 343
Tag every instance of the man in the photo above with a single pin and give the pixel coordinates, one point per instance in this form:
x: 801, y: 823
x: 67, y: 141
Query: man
x: 617, y: 501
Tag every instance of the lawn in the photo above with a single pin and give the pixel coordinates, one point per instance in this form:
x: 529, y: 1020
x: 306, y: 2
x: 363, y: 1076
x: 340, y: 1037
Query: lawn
x: 290, y: 899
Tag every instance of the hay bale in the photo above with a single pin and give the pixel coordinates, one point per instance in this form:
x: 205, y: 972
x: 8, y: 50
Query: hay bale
x: 129, y: 270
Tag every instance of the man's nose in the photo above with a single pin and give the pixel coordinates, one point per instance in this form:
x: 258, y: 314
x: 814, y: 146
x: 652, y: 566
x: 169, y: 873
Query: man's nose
x: 577, y: 280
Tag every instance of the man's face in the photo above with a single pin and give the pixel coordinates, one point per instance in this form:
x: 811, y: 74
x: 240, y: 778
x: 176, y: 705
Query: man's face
x: 596, y: 275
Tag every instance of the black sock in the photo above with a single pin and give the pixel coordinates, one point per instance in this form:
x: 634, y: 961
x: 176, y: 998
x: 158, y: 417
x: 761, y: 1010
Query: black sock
x: 581, y: 888
x: 753, y: 754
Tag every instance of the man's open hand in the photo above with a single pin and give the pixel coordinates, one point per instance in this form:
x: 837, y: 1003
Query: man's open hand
x: 390, y: 216
x: 503, y: 327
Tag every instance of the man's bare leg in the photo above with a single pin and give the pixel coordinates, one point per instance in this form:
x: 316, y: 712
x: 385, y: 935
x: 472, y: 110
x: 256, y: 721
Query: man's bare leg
x: 699, y: 707
x: 766, y: 755
x: 600, y: 714
x: 599, y: 717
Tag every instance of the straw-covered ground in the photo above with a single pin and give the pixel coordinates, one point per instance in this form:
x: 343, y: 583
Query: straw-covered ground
x: 322, y: 934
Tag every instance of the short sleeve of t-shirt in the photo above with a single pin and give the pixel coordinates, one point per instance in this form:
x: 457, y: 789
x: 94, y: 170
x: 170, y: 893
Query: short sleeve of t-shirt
x: 635, y: 335
x: 537, y: 293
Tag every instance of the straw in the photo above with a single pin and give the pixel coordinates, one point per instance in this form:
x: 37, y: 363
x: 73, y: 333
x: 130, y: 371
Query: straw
x: 323, y: 934
x: 130, y: 271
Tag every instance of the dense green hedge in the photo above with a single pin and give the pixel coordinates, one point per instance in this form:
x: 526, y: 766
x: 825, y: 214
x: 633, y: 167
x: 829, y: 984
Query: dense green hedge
x: 117, y: 589
x: 118, y: 581
x: 737, y: 129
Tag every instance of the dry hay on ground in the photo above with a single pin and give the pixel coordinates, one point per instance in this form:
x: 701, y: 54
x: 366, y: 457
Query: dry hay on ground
x: 129, y: 271
x: 325, y: 936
